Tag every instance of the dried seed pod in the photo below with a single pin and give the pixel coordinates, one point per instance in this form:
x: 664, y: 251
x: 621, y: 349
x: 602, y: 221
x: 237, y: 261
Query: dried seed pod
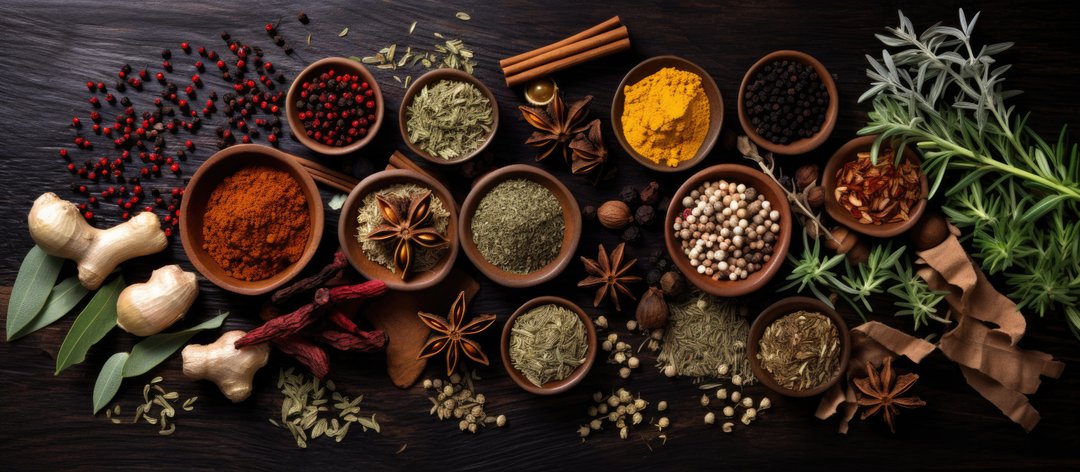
x: 652, y: 311
x: 614, y: 214
x: 650, y: 194
x: 672, y: 283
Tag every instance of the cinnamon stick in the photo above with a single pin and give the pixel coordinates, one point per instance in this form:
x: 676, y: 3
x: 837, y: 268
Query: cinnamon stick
x: 568, y: 50
x: 607, y: 25
x: 399, y: 161
x: 552, y: 67
x: 328, y: 176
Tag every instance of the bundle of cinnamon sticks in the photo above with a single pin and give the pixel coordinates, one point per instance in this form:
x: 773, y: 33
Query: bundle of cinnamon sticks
x: 601, y: 40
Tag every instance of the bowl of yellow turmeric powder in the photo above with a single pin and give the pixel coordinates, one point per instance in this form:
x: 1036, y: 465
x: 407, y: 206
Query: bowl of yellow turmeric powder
x: 667, y: 113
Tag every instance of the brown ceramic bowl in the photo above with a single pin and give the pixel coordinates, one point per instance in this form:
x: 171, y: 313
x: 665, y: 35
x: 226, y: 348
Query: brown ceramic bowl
x: 316, y: 68
x: 800, y: 146
x: 784, y: 307
x: 649, y: 67
x: 773, y: 193
x: 347, y: 230
x: 196, y: 196
x: 434, y: 77
x: 557, y: 386
x: 571, y: 219
x: 847, y: 153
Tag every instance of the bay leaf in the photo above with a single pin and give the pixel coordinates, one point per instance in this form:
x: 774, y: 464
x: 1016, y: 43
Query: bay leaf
x: 153, y: 350
x: 37, y: 275
x: 63, y: 297
x: 108, y: 381
x: 92, y: 324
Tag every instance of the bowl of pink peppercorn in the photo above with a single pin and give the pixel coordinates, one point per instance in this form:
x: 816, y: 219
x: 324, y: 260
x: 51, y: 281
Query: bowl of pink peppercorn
x: 334, y: 106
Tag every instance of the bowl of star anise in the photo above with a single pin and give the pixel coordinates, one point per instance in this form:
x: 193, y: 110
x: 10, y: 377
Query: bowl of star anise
x: 400, y: 226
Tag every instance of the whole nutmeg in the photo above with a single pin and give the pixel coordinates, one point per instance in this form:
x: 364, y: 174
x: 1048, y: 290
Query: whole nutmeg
x: 806, y: 175
x: 815, y: 197
x: 614, y: 214
x: 652, y: 310
x: 650, y: 194
x: 672, y: 283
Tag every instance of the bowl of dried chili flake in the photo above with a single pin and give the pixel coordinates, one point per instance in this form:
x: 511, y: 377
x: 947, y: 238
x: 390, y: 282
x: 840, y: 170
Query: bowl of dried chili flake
x: 881, y: 199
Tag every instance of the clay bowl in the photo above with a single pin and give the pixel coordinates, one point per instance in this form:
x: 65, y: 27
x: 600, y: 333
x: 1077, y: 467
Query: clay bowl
x: 340, y: 64
x: 739, y: 174
x: 197, y: 195
x: 347, y: 230
x: 434, y: 77
x: 784, y: 307
x: 571, y: 220
x: 847, y: 153
x: 803, y: 145
x: 577, y: 375
x: 649, y: 67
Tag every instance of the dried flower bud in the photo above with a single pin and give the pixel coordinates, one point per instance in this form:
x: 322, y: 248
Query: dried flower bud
x: 624, y: 372
x: 598, y: 397
x: 661, y: 406
x: 748, y: 402
x: 650, y: 194
x: 806, y: 175
x: 631, y: 325
x: 723, y: 370
x: 736, y: 380
x: 670, y: 371
x: 602, y: 409
x: 591, y: 411
x: 606, y: 346
x: 427, y: 384
x: 729, y: 411
x: 704, y: 400
x: 624, y: 432
x: 500, y: 421
x: 601, y: 322
x: 663, y: 422
x: 633, y: 362
x: 721, y: 394
x: 619, y: 358
x: 640, y: 403
x: 765, y: 404
x: 728, y: 427
x: 749, y: 416
x: 637, y: 418
x: 710, y: 418
x: 736, y: 397
x: 583, y: 431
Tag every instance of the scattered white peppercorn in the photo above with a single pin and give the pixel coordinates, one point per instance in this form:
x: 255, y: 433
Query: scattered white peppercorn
x: 723, y: 370
x: 748, y: 402
x: 601, y: 322
x: 748, y: 416
x: 663, y: 422
x: 633, y: 362
x: 583, y: 431
x: 710, y: 418
x: 624, y: 372
x: 765, y: 404
x: 736, y: 397
x: 669, y: 371
x: 661, y: 406
x: 728, y: 427
x: 736, y: 380
x: 721, y: 394
x: 704, y: 400
x: 631, y: 325
x: 729, y: 411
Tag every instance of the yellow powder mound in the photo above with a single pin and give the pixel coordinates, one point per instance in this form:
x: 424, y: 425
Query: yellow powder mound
x: 666, y: 116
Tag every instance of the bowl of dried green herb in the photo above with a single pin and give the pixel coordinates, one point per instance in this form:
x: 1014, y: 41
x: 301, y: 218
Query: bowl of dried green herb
x: 448, y: 116
x: 400, y: 227
x: 548, y: 345
x: 798, y: 347
x: 520, y: 226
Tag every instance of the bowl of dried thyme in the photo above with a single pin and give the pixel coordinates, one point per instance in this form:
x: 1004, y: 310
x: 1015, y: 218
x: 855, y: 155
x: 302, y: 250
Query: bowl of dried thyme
x: 798, y: 347
x: 448, y: 116
x: 400, y: 226
x: 548, y: 345
x: 520, y: 226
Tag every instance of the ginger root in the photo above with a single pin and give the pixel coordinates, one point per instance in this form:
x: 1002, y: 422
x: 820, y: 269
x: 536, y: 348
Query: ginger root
x: 60, y: 230
x: 230, y: 368
x: 148, y: 308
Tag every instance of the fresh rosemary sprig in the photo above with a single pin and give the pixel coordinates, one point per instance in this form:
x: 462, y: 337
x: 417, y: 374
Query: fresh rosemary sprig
x: 916, y: 298
x: 816, y: 274
x: 946, y: 96
x: 870, y: 277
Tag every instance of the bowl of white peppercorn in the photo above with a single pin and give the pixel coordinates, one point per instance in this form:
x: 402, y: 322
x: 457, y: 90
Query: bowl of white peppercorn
x: 728, y: 229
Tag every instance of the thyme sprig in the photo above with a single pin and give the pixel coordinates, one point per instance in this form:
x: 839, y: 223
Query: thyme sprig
x: 1017, y: 194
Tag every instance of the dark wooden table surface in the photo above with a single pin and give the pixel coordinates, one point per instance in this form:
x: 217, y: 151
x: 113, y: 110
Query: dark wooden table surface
x: 50, y: 49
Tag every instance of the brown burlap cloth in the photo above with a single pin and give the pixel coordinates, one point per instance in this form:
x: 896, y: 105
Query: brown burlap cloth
x: 982, y: 341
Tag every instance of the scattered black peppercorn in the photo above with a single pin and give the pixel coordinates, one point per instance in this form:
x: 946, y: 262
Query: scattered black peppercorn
x: 645, y: 215
x: 632, y: 234
x: 628, y: 195
x: 786, y: 101
x: 303, y: 18
x: 650, y: 194
x: 653, y: 277
x: 589, y: 212
x: 165, y: 53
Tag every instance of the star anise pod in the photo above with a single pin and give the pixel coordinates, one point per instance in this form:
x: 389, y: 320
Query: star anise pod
x: 408, y: 231
x: 588, y: 151
x: 451, y: 335
x: 610, y: 274
x: 556, y: 126
x: 881, y: 392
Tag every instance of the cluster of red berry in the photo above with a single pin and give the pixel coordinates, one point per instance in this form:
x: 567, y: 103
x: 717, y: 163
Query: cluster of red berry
x: 336, y: 109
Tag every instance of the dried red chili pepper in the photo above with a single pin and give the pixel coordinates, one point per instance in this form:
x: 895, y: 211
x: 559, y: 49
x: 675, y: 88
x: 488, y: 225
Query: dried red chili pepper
x: 362, y: 341
x: 314, y: 281
x: 345, y: 293
x: 287, y: 324
x: 305, y: 352
x: 343, y: 321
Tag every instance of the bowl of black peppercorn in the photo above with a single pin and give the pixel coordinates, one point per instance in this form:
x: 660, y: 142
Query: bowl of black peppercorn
x: 788, y: 103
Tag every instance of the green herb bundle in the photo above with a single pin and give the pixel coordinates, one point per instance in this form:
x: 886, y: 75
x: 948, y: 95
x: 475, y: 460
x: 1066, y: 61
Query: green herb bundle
x: 1017, y: 194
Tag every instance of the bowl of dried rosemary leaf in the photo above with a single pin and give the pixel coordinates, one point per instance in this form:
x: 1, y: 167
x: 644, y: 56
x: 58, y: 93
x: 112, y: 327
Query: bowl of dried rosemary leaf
x: 798, y: 347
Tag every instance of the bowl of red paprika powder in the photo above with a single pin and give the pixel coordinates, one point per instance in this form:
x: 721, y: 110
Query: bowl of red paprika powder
x: 334, y: 106
x: 251, y: 219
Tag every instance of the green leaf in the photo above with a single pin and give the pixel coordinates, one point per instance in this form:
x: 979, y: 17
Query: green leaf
x: 153, y: 350
x: 108, y: 381
x: 93, y: 323
x: 1039, y: 209
x: 37, y: 275
x: 62, y: 299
